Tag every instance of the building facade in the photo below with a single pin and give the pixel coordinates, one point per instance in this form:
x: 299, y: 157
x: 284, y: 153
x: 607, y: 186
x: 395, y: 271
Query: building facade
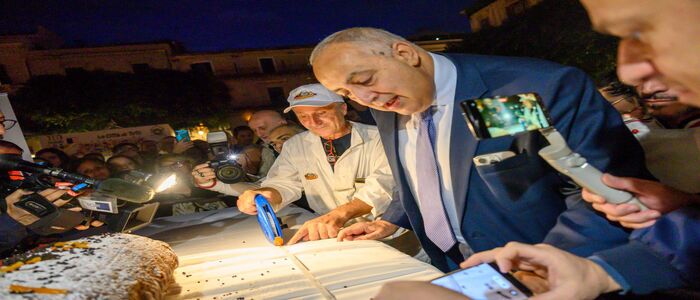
x: 485, y: 13
x: 255, y: 78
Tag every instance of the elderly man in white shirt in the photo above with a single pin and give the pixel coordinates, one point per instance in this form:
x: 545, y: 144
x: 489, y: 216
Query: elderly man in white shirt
x: 340, y: 165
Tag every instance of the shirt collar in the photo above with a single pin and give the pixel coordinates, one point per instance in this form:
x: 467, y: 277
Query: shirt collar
x: 445, y: 79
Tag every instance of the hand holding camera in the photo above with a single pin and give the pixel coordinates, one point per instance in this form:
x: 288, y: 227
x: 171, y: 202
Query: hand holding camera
x: 225, y: 165
x: 659, y: 198
x: 203, y: 175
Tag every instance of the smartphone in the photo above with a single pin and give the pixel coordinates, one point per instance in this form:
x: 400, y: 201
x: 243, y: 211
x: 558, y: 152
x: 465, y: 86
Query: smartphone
x: 501, y: 116
x: 484, y: 282
x: 182, y: 135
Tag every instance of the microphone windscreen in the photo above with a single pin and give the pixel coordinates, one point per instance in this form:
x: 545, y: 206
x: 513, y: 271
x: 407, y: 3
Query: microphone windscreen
x: 125, y: 190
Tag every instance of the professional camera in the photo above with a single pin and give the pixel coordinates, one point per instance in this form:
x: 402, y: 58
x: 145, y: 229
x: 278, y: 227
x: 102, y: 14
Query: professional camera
x: 225, y: 166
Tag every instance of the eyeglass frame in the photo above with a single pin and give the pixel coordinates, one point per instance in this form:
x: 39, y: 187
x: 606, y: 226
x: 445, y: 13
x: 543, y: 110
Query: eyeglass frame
x: 331, y: 154
x: 13, y: 123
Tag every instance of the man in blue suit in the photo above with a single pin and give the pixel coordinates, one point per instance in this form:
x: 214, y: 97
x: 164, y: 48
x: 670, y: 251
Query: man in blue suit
x: 454, y: 207
x: 658, y: 47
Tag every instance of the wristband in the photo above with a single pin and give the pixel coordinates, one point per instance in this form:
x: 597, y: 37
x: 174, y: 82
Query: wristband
x: 213, y: 183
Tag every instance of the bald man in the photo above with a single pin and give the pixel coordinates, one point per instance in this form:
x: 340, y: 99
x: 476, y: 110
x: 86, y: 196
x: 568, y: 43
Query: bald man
x: 263, y: 121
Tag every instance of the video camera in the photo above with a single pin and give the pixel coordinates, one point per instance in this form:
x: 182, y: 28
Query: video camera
x: 121, y: 204
x: 225, y: 166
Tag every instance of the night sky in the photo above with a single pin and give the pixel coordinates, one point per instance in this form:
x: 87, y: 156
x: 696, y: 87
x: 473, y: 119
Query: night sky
x: 220, y: 25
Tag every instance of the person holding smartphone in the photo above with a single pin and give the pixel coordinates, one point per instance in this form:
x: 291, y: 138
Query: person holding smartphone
x: 659, y: 46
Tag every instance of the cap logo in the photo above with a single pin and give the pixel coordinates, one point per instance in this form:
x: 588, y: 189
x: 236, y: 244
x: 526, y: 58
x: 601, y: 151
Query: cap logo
x: 304, y: 95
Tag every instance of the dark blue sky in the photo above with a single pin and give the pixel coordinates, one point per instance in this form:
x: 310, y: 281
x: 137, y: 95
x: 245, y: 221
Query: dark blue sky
x: 219, y: 25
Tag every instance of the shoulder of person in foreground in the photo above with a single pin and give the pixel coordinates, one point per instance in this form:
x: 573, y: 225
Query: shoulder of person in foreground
x: 663, y: 256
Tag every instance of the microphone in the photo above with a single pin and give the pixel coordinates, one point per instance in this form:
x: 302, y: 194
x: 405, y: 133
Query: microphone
x: 125, y: 190
x: 116, y: 187
x: 15, y: 162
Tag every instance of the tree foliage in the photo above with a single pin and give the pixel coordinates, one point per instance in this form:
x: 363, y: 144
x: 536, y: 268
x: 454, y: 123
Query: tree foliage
x: 94, y: 100
x: 555, y: 30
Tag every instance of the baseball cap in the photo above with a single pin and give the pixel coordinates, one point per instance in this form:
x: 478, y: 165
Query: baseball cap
x: 311, y: 95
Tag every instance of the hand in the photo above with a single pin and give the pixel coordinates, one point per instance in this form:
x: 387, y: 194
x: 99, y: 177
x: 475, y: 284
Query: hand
x: 401, y: 290
x: 86, y: 226
x: 321, y: 228
x: 182, y: 146
x: 568, y: 276
x: 26, y: 218
x: 659, y: 198
x: 203, y: 174
x: 246, y: 201
x: 533, y: 281
x: 52, y: 195
x: 375, y: 230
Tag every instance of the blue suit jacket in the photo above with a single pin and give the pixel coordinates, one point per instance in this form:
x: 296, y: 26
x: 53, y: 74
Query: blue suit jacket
x: 522, y: 198
x: 663, y: 256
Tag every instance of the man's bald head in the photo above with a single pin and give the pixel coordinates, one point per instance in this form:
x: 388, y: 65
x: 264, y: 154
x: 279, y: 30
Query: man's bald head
x: 378, y: 40
x: 377, y: 69
x: 263, y: 121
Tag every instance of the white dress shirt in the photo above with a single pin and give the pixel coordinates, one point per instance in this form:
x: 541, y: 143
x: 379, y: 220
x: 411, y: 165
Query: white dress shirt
x: 443, y: 106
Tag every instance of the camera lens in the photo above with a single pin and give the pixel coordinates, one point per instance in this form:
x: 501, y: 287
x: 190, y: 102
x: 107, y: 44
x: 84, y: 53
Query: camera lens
x: 230, y: 173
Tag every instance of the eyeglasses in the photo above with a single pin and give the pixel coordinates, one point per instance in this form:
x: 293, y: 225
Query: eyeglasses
x: 7, y: 123
x: 630, y: 100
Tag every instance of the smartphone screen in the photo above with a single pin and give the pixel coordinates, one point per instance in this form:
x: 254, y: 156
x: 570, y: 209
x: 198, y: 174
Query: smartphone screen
x: 182, y: 135
x: 484, y: 282
x: 501, y: 116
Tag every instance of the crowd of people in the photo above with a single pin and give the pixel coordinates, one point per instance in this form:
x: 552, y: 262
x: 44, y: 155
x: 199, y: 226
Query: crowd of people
x: 408, y: 166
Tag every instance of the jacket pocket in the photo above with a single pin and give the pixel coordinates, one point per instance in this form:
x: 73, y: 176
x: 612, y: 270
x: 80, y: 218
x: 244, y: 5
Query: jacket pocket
x: 509, y: 179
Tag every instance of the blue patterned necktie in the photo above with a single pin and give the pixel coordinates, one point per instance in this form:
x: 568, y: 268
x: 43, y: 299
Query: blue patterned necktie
x: 437, y: 226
